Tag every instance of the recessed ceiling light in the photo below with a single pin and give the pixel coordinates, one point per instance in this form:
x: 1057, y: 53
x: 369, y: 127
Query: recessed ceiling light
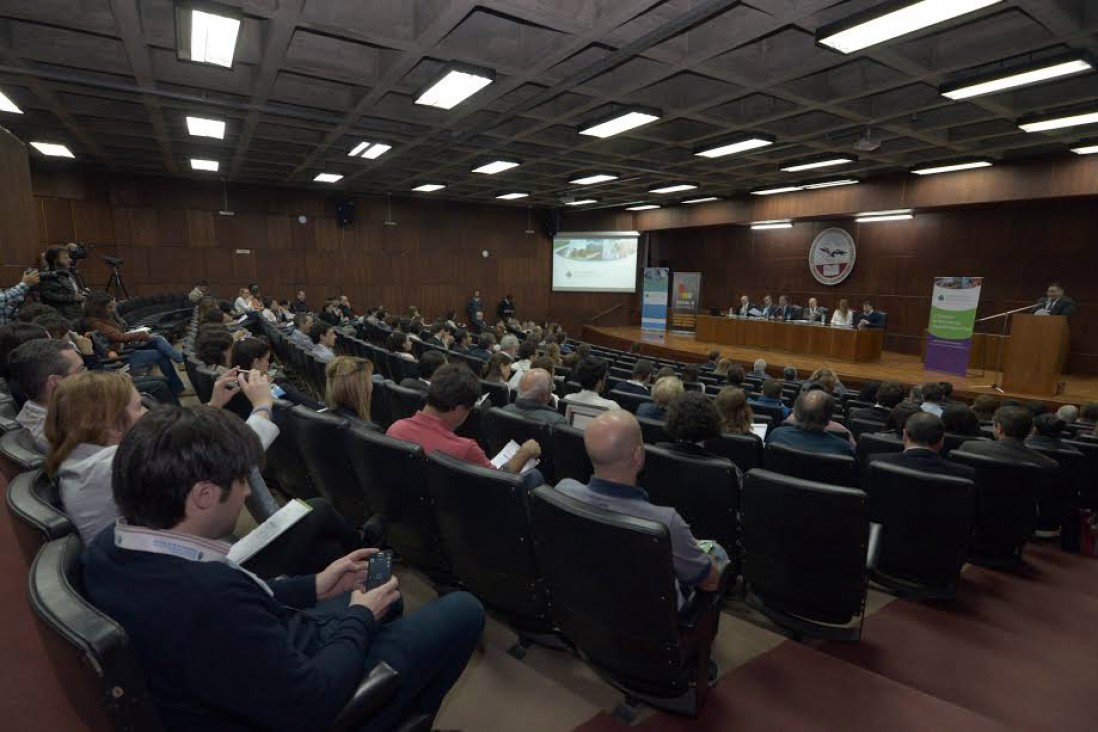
x: 591, y: 180
x: 620, y: 122
x: 328, y: 177
x: 675, y: 188
x: 1057, y: 122
x: 581, y: 202
x: 831, y: 183
x: 772, y: 191
x: 731, y: 148
x: 873, y: 27
x: 203, y: 127
x: 1021, y: 76
x: 206, y: 37
x: 52, y: 149
x: 369, y: 150
x: 774, y: 224
x: 208, y: 165
x: 455, y: 86
x: 952, y: 167
x: 429, y: 187
x: 823, y: 163
x: 870, y: 217
x: 642, y: 207
x: 1085, y: 148
x: 7, y: 105
x: 494, y: 167
x: 512, y: 196
x: 703, y: 199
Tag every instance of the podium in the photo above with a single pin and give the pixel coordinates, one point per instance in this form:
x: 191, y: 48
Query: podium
x: 1035, y: 354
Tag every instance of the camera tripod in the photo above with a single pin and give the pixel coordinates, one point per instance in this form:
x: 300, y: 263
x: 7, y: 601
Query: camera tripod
x: 115, y: 286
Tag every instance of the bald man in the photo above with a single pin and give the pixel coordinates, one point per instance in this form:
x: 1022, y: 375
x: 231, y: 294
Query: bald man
x: 535, y: 391
x: 614, y: 443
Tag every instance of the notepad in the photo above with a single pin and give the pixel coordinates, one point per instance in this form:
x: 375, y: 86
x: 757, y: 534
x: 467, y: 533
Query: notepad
x: 509, y: 451
x: 269, y: 530
x: 759, y: 429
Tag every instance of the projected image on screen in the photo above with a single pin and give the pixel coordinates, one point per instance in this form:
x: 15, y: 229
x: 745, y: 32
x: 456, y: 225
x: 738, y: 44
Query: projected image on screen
x: 595, y: 262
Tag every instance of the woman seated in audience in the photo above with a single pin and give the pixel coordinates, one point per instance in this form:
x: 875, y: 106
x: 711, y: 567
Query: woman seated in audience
x: 1048, y: 431
x: 665, y: 391
x: 723, y: 366
x: 498, y: 369
x: 868, y: 392
x: 735, y: 375
x: 826, y: 378
x: 665, y: 371
x: 254, y: 354
x: 553, y: 352
x: 212, y: 347
x: 349, y: 389
x: 88, y: 415
x: 400, y: 345
x: 691, y: 420
x: 272, y: 313
x: 843, y: 316
x: 958, y: 419
x: 100, y: 315
x: 735, y: 412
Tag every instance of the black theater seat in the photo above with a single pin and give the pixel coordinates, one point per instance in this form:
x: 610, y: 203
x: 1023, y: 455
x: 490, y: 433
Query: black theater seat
x: 33, y: 499
x: 819, y: 467
x: 320, y: 438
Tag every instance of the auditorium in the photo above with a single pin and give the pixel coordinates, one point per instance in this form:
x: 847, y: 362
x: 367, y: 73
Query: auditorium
x: 526, y: 366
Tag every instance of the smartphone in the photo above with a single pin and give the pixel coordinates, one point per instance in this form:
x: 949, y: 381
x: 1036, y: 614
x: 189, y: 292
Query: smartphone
x: 381, y: 569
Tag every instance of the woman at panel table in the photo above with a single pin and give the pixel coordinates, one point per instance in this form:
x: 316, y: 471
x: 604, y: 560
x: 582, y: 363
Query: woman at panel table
x: 843, y: 315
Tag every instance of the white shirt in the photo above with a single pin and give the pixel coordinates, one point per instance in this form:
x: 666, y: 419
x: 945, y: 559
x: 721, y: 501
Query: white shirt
x: 33, y: 418
x: 323, y: 353
x: 587, y: 396
x: 242, y: 305
x: 838, y: 319
x: 518, y: 368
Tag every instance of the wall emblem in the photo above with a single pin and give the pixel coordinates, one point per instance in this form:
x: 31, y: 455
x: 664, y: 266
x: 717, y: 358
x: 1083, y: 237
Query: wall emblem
x: 832, y: 256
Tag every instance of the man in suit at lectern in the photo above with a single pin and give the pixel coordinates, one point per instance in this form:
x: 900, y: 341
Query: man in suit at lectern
x: 1055, y: 302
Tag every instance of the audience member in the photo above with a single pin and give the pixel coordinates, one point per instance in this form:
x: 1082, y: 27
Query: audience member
x: 212, y: 347
x: 690, y: 374
x: 868, y: 392
x: 734, y: 411
x: 323, y: 336
x: 888, y: 395
x: 485, y: 347
x: 13, y: 335
x: 713, y: 362
x: 509, y: 345
x: 789, y: 374
x: 36, y: 368
x: 898, y: 417
x: 299, y: 332
x: 59, y: 289
x: 959, y: 419
x: 1088, y: 414
x: 1047, y: 432
x: 552, y: 350
x: 772, y: 397
x: 12, y: 298
x: 759, y: 368
x: 812, y: 414
x: 526, y: 352
x: 429, y: 362
x: 254, y: 354
x: 933, y: 396
x: 691, y: 420
x: 100, y: 315
x: 735, y: 375
x: 201, y: 287
x: 535, y: 394
x: 985, y: 405
x: 498, y: 369
x: 349, y: 388
x: 401, y: 346
x: 590, y: 373
x: 826, y: 378
x: 641, y: 379
x: 1012, y: 426
x: 924, y: 436
x: 666, y: 390
x: 664, y: 371
x: 1069, y: 413
x: 462, y: 342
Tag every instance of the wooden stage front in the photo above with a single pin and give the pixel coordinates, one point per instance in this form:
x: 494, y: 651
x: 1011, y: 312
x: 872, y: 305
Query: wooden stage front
x: 907, y: 369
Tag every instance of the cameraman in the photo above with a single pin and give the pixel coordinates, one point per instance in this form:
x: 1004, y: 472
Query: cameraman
x: 59, y: 288
x: 11, y: 299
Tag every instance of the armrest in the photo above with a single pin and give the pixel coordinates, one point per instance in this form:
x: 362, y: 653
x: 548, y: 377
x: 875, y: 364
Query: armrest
x: 376, y: 690
x: 8, y: 425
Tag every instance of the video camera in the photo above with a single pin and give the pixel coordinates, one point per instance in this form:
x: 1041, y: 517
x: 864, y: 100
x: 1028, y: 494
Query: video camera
x: 79, y: 251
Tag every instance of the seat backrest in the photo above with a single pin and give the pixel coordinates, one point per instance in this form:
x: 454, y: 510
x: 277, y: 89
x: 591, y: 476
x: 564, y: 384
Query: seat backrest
x: 926, y: 524
x: 501, y: 426
x: 613, y: 587
x: 380, y: 410
x: 91, y: 653
x: 952, y: 441
x: 859, y: 426
x: 1006, y: 505
x: 629, y: 400
x: 320, y: 438
x: 872, y: 443
x: 404, y: 402
x: 745, y: 451
x: 34, y: 499
x: 486, y: 534
x: 401, y: 368
x: 815, y: 466
x: 570, y: 459
x: 1055, y: 499
x: 705, y: 491
x: 653, y: 430
x: 497, y: 392
x: 776, y: 414
x: 203, y: 382
x: 804, y: 546
x: 1088, y: 489
x: 285, y: 468
x: 18, y: 447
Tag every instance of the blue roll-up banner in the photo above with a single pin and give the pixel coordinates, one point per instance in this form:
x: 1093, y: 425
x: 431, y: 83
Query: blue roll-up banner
x: 654, y: 298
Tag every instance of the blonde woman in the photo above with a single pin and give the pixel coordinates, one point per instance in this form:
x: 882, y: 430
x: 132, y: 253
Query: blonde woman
x: 734, y: 411
x: 664, y: 392
x: 350, y: 387
x: 843, y: 316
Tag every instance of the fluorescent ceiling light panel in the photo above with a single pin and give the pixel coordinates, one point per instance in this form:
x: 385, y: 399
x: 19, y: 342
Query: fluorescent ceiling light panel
x: 512, y: 196
x: 1056, y: 123
x: 1003, y: 81
x: 621, y: 123
x: 454, y: 88
x: 886, y: 213
x: 497, y: 166
x: 642, y: 207
x: 213, y: 38
x: 376, y: 150
x: 208, y: 165
x: 831, y: 183
x: 52, y: 149
x: 591, y: 180
x: 581, y: 202
x: 203, y: 127
x: 676, y: 188
x: 731, y: 148
x: 1085, y: 149
x: 703, y: 199
x: 879, y: 219
x: 772, y: 191
x: 358, y: 149
x: 328, y: 178
x: 912, y: 17
x: 952, y: 167
x: 826, y: 163
x: 766, y: 225
x: 429, y: 187
x: 7, y: 105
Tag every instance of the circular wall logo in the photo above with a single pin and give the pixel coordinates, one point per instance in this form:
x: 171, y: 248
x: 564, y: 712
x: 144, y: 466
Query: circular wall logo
x: 832, y: 256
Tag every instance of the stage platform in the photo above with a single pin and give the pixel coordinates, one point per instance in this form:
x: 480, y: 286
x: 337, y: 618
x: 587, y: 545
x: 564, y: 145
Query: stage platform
x: 907, y: 369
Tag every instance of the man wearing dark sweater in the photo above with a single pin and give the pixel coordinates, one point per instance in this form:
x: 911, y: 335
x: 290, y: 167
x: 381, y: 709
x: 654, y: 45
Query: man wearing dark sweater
x: 222, y: 649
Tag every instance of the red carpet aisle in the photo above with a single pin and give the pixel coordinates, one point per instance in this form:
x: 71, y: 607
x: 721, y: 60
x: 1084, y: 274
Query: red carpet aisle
x: 1015, y: 652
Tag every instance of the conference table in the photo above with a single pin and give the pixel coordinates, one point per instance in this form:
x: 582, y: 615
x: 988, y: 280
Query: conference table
x: 813, y: 339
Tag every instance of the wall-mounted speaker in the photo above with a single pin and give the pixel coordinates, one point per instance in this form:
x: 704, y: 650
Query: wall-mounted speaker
x: 551, y: 223
x: 345, y: 212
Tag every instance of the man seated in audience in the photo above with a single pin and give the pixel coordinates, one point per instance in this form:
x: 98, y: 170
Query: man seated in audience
x: 35, y: 369
x: 299, y: 305
x: 889, y: 394
x: 200, y: 289
x: 590, y: 373
x: 12, y: 298
x: 485, y: 345
x: 220, y: 648
x: 509, y: 344
x: 562, y: 341
x: 924, y: 435
x: 1069, y: 413
x: 933, y: 396
x: 526, y: 352
x: 690, y: 374
x: 666, y: 390
x: 439, y: 335
x: 789, y: 374
x: 462, y: 342
x: 1048, y: 430
x: 453, y: 393
x: 614, y: 443
x: 641, y: 379
x: 429, y: 363
x: 947, y: 394
x: 299, y: 333
x: 323, y: 336
x: 692, y: 420
x: 734, y: 376
x: 759, y: 368
x: 812, y: 414
x: 771, y: 397
x: 870, y: 318
x: 985, y: 405
x: 1012, y: 426
x: 535, y: 394
x: 1088, y: 415
x: 711, y: 364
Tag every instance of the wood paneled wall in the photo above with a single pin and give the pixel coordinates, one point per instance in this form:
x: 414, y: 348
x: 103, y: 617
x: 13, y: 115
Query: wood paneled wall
x: 170, y: 234
x: 17, y: 218
x: 1018, y: 247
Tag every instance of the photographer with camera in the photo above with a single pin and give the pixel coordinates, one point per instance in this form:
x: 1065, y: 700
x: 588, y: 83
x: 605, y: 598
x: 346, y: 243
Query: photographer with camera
x: 59, y: 288
x: 11, y: 299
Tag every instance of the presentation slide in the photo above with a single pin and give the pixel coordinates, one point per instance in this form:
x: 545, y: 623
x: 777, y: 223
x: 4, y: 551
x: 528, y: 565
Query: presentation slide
x: 595, y: 262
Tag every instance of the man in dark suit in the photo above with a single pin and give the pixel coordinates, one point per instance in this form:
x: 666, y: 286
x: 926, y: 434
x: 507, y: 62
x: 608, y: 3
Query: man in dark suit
x: 745, y: 307
x: 870, y: 318
x: 429, y: 362
x: 814, y: 313
x: 889, y: 394
x: 483, y: 351
x: 1055, y: 302
x: 506, y: 308
x: 767, y: 308
x: 474, y: 309
x: 641, y: 380
x: 924, y: 435
x: 439, y: 336
x: 785, y: 311
x: 1012, y: 425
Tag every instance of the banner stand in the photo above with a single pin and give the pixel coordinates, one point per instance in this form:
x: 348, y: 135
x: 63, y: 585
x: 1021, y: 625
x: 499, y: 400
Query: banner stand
x: 654, y: 298
x: 685, y: 299
x: 952, y: 321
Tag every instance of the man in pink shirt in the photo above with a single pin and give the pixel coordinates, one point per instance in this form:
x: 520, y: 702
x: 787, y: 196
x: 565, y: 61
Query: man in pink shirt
x: 453, y: 393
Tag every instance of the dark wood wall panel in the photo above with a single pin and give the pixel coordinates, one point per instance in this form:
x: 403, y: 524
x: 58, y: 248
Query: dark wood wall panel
x: 1018, y: 247
x: 19, y: 219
